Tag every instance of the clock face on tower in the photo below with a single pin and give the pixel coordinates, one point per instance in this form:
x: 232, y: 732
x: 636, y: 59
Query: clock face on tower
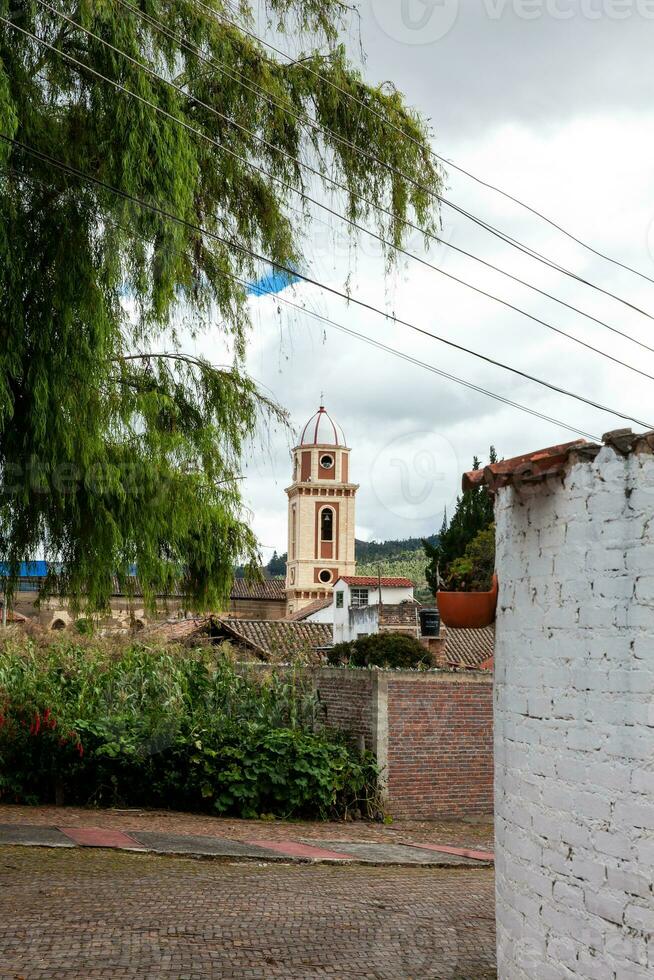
x: 320, y: 512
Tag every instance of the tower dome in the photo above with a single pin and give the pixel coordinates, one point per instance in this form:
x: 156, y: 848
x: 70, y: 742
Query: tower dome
x: 321, y: 430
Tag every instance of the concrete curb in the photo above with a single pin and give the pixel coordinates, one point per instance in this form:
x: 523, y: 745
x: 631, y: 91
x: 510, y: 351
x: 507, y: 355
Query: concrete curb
x: 302, y: 851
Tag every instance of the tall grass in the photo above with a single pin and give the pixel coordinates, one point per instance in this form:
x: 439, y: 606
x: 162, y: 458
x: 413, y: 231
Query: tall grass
x: 91, y: 722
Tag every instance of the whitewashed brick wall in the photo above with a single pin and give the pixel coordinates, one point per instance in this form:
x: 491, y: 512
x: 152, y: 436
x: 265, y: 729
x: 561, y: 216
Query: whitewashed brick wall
x: 574, y: 724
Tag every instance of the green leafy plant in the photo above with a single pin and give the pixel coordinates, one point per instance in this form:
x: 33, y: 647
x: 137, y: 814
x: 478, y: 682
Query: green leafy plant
x: 128, y: 725
x: 474, y: 513
x: 391, y: 650
x: 473, y: 572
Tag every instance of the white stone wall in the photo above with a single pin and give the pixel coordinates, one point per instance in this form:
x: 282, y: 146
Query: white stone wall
x: 574, y: 724
x: 349, y: 623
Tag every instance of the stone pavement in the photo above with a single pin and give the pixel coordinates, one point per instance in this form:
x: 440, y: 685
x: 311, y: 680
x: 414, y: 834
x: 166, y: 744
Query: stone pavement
x: 289, y: 849
x: 79, y: 912
x: 457, y: 833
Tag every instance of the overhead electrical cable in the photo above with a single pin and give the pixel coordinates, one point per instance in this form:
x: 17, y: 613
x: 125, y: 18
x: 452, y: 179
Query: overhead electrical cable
x: 287, y: 107
x: 379, y: 115
x: 255, y: 289
x: 221, y: 147
x: 250, y: 253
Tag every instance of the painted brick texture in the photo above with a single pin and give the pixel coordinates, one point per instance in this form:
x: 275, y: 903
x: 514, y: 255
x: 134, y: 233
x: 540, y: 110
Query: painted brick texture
x: 574, y: 724
x: 440, y: 736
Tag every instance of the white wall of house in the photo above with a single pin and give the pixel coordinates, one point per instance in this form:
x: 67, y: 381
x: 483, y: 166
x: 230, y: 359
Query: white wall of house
x: 324, y: 615
x: 574, y: 723
x: 349, y: 626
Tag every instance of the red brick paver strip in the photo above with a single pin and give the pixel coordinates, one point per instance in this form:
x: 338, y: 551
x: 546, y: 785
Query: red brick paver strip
x: 463, y: 852
x: 98, y: 837
x: 294, y: 849
x: 458, y: 833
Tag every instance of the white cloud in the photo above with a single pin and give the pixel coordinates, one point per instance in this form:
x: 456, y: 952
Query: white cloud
x: 528, y: 116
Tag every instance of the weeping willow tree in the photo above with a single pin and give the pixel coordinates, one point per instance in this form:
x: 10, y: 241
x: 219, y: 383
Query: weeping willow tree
x: 117, y: 449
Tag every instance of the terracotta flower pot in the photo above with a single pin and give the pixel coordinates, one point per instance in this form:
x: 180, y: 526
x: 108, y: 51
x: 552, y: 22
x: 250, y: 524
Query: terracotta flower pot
x: 468, y: 609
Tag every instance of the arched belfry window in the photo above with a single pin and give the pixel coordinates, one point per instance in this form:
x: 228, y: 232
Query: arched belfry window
x: 327, y: 524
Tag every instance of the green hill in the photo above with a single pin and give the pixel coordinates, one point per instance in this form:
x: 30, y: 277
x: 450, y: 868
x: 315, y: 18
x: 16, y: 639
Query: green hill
x: 403, y: 557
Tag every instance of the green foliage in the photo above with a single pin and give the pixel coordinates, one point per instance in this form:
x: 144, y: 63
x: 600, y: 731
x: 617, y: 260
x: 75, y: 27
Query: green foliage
x: 391, y: 650
x: 276, y: 567
x: 142, y: 727
x: 408, y: 564
x: 369, y: 551
x: 474, y: 513
x: 473, y: 571
x: 116, y: 449
x: 401, y: 558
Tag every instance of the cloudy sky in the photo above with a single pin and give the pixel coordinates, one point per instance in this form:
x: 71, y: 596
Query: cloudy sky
x: 551, y: 101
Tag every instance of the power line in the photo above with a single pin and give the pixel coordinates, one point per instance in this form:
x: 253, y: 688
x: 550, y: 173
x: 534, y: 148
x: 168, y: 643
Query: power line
x: 379, y: 115
x: 156, y: 209
x: 543, y: 217
x: 290, y: 110
x: 302, y: 194
x: 322, y: 318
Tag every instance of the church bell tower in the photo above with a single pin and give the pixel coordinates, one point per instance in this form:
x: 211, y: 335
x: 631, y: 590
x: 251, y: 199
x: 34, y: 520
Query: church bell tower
x: 320, y: 513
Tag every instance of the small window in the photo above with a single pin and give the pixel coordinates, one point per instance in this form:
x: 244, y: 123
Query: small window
x: 327, y: 524
x: 339, y: 600
x: 326, y: 461
x: 325, y: 576
x: 359, y: 597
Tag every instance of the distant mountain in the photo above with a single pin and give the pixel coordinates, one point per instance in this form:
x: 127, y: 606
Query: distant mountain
x: 366, y: 551
x: 402, y: 557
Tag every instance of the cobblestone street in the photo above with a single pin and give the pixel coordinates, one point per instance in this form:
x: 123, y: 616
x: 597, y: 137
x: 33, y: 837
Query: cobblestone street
x: 91, y: 914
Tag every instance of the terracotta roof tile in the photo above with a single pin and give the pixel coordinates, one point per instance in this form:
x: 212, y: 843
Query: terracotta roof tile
x: 372, y: 581
x: 307, y: 611
x: 473, y: 649
x: 278, y: 639
x: 178, y: 630
x: 270, y: 589
x: 537, y: 466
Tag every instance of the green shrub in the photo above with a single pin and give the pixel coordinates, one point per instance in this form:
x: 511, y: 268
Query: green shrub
x: 473, y: 572
x: 183, y: 729
x: 382, y: 650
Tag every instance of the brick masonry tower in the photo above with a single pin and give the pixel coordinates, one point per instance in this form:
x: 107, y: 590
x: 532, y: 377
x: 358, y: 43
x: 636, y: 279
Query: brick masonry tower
x: 320, y: 513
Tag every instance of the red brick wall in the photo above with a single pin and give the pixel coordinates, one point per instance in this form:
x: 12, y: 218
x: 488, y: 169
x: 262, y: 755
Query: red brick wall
x: 440, y: 746
x: 432, y: 733
x: 347, y: 702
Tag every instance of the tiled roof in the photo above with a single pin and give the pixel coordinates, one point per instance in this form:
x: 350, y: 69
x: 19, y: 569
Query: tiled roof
x: 270, y: 589
x: 307, y: 611
x: 372, y: 581
x: 469, y: 648
x: 277, y: 639
x: 13, y: 616
x: 178, y: 630
x: 538, y: 466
